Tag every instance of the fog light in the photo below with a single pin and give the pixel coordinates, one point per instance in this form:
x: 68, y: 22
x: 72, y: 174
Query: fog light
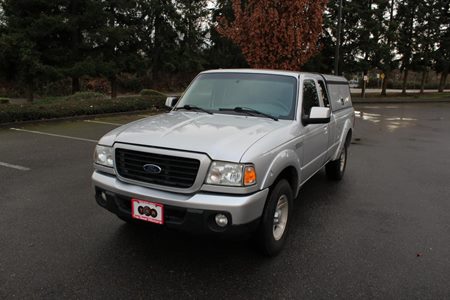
x: 221, y: 220
x: 104, y: 196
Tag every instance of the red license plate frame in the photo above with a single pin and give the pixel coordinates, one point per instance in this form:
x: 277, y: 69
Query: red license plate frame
x: 147, y: 211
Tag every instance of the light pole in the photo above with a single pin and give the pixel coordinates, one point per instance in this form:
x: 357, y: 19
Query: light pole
x: 338, y: 42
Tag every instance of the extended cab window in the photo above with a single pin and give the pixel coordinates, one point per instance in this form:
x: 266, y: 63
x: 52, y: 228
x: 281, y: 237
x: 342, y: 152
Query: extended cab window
x: 324, y: 94
x: 310, y: 96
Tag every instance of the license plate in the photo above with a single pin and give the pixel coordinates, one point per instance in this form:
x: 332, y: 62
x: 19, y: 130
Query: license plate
x: 147, y: 211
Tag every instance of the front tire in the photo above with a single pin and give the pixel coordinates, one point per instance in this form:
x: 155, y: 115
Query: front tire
x: 335, y: 169
x: 274, y: 225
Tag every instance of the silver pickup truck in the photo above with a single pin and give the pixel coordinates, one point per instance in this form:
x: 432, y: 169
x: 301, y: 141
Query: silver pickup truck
x: 231, y: 155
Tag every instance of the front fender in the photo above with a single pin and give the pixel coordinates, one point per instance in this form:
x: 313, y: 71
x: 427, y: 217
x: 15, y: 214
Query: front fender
x: 284, y: 159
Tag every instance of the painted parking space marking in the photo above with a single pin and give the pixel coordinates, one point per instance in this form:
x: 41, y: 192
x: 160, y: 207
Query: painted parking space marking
x: 103, y: 123
x: 55, y: 135
x: 17, y: 167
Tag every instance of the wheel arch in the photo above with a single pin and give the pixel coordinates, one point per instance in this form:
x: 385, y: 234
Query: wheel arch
x: 345, y: 139
x: 288, y: 171
x: 291, y: 175
x: 348, y: 139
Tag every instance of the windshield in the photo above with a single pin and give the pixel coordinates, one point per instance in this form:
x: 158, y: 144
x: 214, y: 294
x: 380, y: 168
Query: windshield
x: 269, y: 94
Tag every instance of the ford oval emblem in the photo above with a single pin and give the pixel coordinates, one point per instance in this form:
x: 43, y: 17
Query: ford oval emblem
x: 152, y: 169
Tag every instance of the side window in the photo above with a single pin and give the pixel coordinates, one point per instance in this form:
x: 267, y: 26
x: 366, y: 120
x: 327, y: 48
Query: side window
x: 310, y: 96
x: 324, y: 94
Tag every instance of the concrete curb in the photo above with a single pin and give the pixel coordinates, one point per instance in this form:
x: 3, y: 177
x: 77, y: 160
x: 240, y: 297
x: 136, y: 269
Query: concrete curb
x: 398, y: 100
x: 82, y: 117
x: 355, y: 100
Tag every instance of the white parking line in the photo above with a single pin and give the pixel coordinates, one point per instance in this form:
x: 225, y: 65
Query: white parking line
x: 101, y: 122
x: 55, y: 135
x: 3, y: 164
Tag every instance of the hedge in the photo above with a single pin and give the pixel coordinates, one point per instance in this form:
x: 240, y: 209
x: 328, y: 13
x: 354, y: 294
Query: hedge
x: 4, y: 101
x: 86, y: 96
x: 69, y: 107
x: 148, y: 92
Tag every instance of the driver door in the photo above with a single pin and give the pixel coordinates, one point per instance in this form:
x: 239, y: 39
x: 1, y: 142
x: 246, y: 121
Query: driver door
x: 315, y: 143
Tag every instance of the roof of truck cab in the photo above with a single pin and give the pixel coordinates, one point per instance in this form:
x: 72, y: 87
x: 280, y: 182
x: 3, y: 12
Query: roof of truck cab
x: 254, y: 71
x: 328, y: 78
x: 332, y: 78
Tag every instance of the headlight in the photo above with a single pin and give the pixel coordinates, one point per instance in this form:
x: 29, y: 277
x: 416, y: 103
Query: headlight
x: 104, y: 156
x: 231, y: 174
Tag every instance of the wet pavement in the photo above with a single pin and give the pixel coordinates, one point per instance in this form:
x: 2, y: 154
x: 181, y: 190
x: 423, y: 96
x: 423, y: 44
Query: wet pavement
x: 382, y: 232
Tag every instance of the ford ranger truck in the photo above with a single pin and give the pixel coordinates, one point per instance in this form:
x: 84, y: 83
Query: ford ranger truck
x: 231, y: 155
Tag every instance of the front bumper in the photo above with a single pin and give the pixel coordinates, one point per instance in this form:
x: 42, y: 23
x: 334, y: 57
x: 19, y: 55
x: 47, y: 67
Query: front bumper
x: 192, y: 212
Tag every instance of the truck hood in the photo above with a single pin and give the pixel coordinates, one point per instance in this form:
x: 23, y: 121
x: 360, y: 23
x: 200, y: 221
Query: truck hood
x: 221, y: 136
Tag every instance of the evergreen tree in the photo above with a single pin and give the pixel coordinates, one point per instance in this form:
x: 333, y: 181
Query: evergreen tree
x: 428, y: 33
x: 361, y: 34
x: 406, y: 18
x: 323, y: 62
x: 46, y: 40
x: 3, y: 58
x: 191, y: 27
x: 115, y: 44
x: 368, y: 36
x: 329, y: 38
x: 159, y: 37
x: 223, y: 53
x: 443, y: 44
x: 385, y: 35
x: 31, y: 42
x: 82, y: 23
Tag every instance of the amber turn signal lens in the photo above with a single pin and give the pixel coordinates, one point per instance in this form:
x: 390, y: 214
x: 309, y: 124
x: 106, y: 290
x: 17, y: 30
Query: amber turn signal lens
x: 249, y: 175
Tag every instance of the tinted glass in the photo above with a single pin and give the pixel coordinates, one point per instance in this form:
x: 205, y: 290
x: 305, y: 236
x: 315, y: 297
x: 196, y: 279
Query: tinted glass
x: 324, y: 93
x: 310, y: 96
x: 271, y: 94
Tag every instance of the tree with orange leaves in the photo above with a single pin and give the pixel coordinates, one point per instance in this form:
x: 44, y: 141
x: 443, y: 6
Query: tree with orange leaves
x: 275, y: 34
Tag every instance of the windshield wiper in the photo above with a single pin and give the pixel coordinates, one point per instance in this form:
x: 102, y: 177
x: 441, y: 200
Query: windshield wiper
x: 194, y: 108
x: 249, y: 111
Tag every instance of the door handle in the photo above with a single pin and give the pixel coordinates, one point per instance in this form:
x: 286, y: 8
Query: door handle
x: 342, y: 101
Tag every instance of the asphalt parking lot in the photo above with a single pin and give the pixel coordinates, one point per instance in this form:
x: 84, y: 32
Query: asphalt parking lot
x: 382, y: 232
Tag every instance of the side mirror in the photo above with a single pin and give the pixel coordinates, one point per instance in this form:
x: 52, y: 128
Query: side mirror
x: 318, y: 115
x: 171, y: 101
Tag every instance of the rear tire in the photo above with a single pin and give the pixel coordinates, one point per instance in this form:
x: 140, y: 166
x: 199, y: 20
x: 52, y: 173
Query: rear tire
x: 274, y: 225
x: 335, y: 169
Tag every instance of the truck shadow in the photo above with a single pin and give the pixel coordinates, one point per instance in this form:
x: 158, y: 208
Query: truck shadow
x: 170, y: 253
x: 149, y: 238
x: 317, y: 192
